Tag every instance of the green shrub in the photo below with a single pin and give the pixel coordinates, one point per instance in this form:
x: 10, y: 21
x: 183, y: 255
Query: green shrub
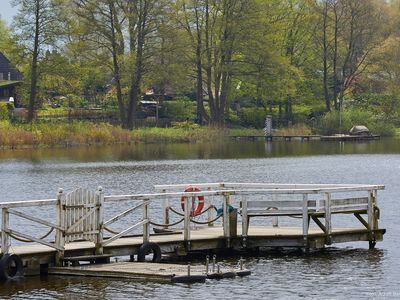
x: 181, y: 109
x: 330, y: 123
x: 253, y: 117
x: 5, y: 111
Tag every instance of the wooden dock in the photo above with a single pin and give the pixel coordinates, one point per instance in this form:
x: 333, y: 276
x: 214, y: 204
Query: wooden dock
x: 83, y: 234
x: 325, y: 138
x: 276, y: 137
x: 349, y: 138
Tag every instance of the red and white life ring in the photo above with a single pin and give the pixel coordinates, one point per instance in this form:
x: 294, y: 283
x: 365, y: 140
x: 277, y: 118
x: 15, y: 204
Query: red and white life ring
x: 200, y: 205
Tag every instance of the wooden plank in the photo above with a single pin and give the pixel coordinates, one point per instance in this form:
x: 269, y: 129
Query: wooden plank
x: 5, y: 223
x: 33, y: 219
x: 225, y: 213
x: 29, y: 237
x: 123, y: 214
x: 245, y: 218
x: 328, y: 218
x: 186, y: 222
x: 146, y: 225
x: 349, y: 209
x: 370, y: 209
x: 349, y: 201
x: 305, y: 217
x: 123, y: 232
x: 274, y: 212
x: 78, y: 225
x: 265, y: 204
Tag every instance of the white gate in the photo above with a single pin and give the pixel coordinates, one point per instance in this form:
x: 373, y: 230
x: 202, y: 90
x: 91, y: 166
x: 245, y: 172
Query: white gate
x: 80, y: 215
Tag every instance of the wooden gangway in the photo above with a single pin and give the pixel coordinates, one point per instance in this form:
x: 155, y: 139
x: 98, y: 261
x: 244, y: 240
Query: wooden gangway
x: 235, y: 216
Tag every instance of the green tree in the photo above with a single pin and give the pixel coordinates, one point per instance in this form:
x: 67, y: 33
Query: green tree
x: 38, y: 28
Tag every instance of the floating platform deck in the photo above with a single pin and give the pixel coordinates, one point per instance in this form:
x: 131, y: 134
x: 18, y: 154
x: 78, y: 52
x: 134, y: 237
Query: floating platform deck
x: 150, y: 271
x: 82, y: 233
x: 202, y: 239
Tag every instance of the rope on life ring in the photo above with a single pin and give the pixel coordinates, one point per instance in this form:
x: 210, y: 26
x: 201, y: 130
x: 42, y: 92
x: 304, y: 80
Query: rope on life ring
x: 199, y: 208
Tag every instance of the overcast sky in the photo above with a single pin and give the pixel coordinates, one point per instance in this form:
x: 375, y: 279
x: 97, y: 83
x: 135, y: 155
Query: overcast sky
x: 7, y: 11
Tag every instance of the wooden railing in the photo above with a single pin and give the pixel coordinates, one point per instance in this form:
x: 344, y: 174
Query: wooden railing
x: 80, y: 214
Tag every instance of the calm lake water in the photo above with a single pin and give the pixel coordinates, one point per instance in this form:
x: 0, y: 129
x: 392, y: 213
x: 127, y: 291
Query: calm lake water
x: 348, y: 271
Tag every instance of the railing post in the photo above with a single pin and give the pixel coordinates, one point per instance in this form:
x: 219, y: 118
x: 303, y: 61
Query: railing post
x: 328, y: 218
x: 375, y: 208
x: 210, y: 212
x: 275, y: 220
x: 165, y: 209
x: 227, y: 232
x: 5, y: 223
x: 146, y: 226
x: 245, y: 221
x: 188, y: 209
x: 100, y: 219
x: 370, y: 210
x: 305, y: 220
x: 60, y: 238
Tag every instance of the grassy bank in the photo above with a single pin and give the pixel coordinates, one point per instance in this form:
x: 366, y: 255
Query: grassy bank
x: 86, y: 133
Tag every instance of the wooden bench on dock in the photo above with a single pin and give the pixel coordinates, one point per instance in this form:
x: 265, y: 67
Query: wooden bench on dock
x: 312, y: 209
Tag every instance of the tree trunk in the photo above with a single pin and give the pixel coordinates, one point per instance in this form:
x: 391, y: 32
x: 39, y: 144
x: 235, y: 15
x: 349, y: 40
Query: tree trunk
x: 116, y: 67
x: 134, y: 93
x: 325, y: 42
x: 32, y: 95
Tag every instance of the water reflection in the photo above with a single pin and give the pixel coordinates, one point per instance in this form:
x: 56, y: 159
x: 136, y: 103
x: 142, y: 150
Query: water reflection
x: 225, y: 150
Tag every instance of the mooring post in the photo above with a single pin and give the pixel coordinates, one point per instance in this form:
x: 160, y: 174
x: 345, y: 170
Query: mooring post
x: 207, y: 264
x: 100, y: 219
x: 5, y: 223
x: 213, y: 264
x: 60, y: 219
x: 146, y: 225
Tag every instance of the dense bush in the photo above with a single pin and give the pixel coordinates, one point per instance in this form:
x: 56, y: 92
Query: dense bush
x: 4, y: 111
x: 252, y: 117
x: 181, y: 109
x: 330, y: 122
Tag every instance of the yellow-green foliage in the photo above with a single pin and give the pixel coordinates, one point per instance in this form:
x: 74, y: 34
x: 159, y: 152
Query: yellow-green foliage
x: 86, y: 133
x: 4, y: 111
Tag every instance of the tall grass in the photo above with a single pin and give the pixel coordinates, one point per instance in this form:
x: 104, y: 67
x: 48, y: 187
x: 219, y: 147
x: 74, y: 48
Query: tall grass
x: 61, y: 134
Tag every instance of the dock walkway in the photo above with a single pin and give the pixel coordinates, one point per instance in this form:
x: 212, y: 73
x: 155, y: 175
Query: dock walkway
x: 81, y: 230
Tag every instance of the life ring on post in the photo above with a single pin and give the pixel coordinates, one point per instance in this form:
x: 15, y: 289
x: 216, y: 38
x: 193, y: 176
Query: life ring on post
x: 199, y: 208
x: 11, y: 267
